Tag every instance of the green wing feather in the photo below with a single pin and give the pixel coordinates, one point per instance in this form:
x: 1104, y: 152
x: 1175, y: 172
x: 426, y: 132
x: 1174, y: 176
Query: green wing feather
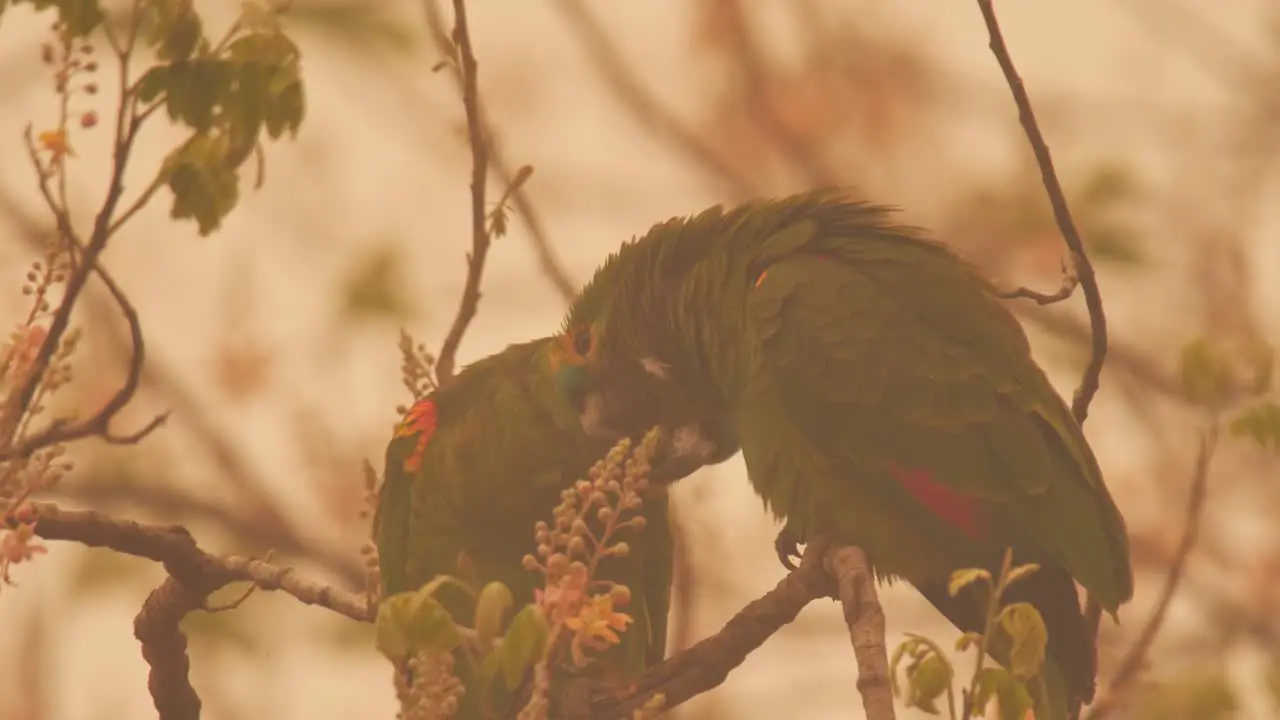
x: 888, y: 350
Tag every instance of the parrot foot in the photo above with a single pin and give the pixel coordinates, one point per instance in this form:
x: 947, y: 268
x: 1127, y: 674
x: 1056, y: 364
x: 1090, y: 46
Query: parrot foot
x: 787, y: 545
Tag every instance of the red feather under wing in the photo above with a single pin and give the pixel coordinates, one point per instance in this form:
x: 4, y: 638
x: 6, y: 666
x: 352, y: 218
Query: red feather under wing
x: 420, y: 421
x: 961, y: 512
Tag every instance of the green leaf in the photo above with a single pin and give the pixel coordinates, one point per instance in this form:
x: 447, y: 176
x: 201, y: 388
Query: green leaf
x: 376, y: 287
x: 414, y: 622
x: 204, y: 187
x: 391, y: 627
x: 80, y: 17
x: 433, y: 586
x: 1203, y: 373
x: 197, y: 89
x: 1026, y: 628
x: 286, y: 102
x: 963, y: 578
x: 1000, y: 684
x: 181, y: 37
x: 927, y: 680
x: 152, y: 83
x: 967, y: 640
x: 523, y: 645
x: 1019, y: 573
x: 491, y: 607
x: 1260, y: 423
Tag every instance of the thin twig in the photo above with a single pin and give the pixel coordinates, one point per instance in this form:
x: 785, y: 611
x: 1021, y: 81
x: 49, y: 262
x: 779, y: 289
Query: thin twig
x: 856, y: 590
x: 127, y: 126
x: 470, y: 302
x: 1061, y: 214
x: 643, y: 105
x: 1070, y: 281
x: 550, y: 264
x: 99, y: 424
x: 1133, y: 661
x: 548, y: 261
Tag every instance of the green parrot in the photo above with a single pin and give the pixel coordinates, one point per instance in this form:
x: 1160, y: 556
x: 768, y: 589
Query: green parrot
x: 476, y: 464
x: 881, y: 393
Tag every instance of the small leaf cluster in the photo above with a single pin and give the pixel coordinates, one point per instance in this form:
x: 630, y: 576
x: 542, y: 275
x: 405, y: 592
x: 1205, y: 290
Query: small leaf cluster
x: 1216, y: 379
x: 415, y: 628
x: 1017, y: 627
x: 228, y: 93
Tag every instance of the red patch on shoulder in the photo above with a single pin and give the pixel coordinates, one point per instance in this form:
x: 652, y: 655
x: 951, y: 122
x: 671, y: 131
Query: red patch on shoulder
x: 957, y: 510
x: 419, y: 421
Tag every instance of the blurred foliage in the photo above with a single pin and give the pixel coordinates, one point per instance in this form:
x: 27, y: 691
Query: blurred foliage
x: 1201, y: 693
x: 1101, y: 202
x: 366, y: 26
x: 100, y: 571
x: 375, y: 288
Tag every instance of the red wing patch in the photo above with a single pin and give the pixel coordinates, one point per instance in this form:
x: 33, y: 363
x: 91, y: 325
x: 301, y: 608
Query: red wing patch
x: 420, y: 421
x: 957, y: 510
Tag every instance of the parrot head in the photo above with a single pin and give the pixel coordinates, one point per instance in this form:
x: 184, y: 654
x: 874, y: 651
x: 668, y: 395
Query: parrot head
x: 614, y: 362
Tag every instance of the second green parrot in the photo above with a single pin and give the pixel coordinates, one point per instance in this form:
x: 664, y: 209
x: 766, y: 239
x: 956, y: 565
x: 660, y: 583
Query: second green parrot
x: 471, y: 470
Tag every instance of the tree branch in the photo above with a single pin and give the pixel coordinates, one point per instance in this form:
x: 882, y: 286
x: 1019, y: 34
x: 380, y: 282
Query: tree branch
x: 1061, y: 214
x: 708, y: 663
x: 856, y: 589
x: 467, y: 75
x: 193, y: 575
x: 1133, y: 661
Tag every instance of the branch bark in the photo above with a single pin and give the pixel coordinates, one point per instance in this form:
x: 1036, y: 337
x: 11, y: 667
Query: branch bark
x: 193, y: 575
x: 823, y: 572
x: 856, y: 590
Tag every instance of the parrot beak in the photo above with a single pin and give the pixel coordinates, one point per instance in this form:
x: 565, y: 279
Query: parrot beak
x: 681, y: 453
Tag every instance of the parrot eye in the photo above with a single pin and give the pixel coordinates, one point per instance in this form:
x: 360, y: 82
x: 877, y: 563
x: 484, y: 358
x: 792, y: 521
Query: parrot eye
x: 583, y: 340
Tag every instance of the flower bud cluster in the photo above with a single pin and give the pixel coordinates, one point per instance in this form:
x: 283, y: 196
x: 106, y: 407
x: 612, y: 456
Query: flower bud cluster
x: 428, y: 689
x: 582, y: 533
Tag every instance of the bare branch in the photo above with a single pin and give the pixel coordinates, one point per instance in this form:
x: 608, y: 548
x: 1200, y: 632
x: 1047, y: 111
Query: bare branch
x: 193, y: 575
x: 1070, y: 281
x: 856, y: 590
x: 1131, y: 665
x: 551, y: 266
x: 61, y: 431
x: 126, y: 130
x: 467, y: 77
x: 1061, y: 214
